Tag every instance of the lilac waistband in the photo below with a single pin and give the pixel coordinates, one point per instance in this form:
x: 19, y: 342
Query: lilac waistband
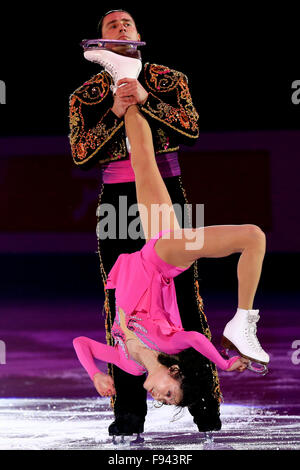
x: 122, y: 172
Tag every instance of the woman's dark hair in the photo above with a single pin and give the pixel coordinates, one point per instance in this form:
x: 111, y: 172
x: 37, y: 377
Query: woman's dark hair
x: 100, y: 24
x: 194, y: 376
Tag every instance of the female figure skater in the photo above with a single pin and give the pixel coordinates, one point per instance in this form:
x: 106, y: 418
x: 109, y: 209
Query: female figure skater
x: 148, y: 333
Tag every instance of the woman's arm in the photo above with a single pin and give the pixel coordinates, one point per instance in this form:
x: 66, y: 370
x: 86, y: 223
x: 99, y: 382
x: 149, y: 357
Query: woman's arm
x: 87, y: 349
x: 193, y: 339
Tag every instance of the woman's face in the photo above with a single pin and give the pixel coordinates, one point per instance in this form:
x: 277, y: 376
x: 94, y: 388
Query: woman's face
x: 163, y: 387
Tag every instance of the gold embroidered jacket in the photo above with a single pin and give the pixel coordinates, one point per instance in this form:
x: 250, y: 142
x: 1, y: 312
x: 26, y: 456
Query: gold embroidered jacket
x: 97, y: 135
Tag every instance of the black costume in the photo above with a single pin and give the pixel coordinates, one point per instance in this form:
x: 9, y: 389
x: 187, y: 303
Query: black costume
x: 98, y: 136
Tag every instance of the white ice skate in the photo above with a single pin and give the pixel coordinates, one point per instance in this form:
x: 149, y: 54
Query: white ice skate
x: 240, y: 335
x: 117, y: 65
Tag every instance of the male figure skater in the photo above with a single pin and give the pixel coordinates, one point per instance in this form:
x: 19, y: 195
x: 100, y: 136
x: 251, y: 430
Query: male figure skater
x: 98, y: 138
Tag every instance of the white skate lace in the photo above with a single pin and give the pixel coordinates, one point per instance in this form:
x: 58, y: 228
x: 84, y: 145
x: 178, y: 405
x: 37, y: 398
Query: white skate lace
x: 250, y: 332
x: 111, y: 69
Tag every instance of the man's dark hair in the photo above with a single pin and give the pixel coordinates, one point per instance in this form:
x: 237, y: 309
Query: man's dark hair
x: 100, y: 24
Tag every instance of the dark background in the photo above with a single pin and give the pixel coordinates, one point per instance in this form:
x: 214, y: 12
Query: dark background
x: 240, y: 61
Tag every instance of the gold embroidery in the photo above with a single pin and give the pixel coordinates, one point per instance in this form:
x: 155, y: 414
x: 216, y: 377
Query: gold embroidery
x: 190, y: 114
x: 154, y: 115
x: 87, y: 141
x: 95, y: 90
x: 106, y: 307
x: 162, y: 139
x: 167, y: 150
x: 161, y: 79
x: 85, y: 144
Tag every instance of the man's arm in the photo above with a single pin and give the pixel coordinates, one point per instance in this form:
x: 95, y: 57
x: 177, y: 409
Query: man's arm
x: 169, y: 102
x: 165, y: 98
x: 93, y: 124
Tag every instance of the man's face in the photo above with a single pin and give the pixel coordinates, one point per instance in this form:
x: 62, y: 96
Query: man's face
x: 121, y: 26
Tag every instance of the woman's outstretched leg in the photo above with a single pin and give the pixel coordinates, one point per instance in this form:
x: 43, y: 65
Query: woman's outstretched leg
x: 217, y: 242
x: 155, y: 205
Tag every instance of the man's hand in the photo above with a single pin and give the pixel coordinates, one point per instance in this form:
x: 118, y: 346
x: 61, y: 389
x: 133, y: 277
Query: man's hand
x: 132, y: 87
x: 121, y: 104
x: 104, y: 384
x: 130, y: 92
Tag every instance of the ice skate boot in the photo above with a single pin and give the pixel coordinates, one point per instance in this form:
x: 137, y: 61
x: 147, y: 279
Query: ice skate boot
x: 117, y: 65
x: 240, y: 335
x: 124, y: 425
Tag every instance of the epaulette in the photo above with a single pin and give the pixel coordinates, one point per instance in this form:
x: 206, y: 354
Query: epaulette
x: 160, y: 78
x: 95, y: 89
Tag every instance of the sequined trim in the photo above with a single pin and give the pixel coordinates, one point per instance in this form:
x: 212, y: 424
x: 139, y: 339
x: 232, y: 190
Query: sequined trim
x: 154, y: 346
x: 168, y: 115
x: 94, y: 90
x: 86, y: 143
x: 106, y: 311
x: 120, y: 337
x: 138, y: 330
x: 161, y: 78
x: 184, y: 117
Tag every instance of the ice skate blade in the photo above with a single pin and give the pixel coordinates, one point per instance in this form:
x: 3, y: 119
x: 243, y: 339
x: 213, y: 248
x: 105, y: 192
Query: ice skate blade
x: 126, y: 48
x: 228, y: 345
x: 208, y: 443
x: 209, y: 437
x: 118, y: 440
x: 121, y: 440
x: 103, y: 43
x: 261, y: 370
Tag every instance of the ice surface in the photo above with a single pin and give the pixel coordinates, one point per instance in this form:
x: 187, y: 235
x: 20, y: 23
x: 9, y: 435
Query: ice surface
x: 74, y: 424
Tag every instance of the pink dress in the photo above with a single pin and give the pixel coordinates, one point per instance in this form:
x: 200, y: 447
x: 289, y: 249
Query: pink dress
x: 145, y: 290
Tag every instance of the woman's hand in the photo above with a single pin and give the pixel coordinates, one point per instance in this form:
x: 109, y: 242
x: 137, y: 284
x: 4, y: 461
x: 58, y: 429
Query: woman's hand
x: 239, y: 365
x: 104, y: 384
